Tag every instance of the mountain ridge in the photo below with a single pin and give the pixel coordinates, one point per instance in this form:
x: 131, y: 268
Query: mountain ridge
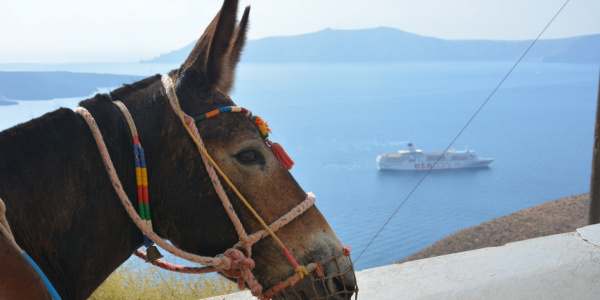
x: 385, y: 44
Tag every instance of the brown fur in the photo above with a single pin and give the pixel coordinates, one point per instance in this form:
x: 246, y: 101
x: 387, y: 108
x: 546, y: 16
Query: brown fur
x: 66, y: 215
x: 16, y: 272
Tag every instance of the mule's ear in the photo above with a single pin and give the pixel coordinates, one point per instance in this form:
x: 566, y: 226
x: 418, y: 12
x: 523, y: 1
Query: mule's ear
x: 235, y: 52
x: 208, y: 58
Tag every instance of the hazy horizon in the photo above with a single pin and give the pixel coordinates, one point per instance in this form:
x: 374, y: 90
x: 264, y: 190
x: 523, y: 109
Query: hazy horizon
x: 66, y: 31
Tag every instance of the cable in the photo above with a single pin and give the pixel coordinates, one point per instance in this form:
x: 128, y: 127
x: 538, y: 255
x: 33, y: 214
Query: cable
x: 461, y: 131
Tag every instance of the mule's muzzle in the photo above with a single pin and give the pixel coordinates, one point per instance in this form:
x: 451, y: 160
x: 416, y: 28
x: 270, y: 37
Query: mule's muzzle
x: 332, y: 279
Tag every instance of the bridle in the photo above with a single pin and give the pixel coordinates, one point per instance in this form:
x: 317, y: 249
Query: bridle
x: 232, y: 263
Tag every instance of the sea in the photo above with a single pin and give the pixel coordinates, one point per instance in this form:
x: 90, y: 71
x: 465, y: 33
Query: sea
x: 334, y: 119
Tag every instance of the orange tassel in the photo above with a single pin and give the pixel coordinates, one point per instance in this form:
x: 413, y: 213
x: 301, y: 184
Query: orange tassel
x: 283, y: 158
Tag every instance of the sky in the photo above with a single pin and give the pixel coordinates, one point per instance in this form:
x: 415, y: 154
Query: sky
x: 62, y: 31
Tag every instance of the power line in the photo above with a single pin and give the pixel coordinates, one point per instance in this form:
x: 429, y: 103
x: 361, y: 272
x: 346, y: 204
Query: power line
x: 462, y: 130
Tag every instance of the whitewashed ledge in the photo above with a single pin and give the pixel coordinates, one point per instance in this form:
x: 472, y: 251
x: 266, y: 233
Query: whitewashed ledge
x: 563, y: 266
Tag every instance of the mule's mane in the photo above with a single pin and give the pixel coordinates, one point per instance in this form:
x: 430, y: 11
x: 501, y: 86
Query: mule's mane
x: 127, y: 89
x: 29, y: 135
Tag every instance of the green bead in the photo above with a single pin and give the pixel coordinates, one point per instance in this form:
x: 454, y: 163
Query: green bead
x: 147, y: 211
x: 142, y: 211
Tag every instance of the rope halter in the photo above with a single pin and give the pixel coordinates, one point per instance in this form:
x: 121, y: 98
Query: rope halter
x: 232, y: 263
x: 191, y: 128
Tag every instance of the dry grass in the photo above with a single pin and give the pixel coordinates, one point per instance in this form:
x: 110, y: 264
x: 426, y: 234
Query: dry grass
x: 136, y: 279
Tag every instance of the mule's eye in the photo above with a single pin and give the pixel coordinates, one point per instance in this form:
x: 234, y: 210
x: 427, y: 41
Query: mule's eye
x: 249, y: 157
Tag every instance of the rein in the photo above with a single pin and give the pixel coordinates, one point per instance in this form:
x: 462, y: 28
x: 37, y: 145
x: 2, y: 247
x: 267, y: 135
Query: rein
x: 232, y: 263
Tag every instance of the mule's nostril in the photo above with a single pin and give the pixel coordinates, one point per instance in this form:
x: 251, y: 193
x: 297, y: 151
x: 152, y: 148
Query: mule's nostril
x: 340, y: 288
x: 339, y: 277
x: 339, y: 284
x: 346, y: 286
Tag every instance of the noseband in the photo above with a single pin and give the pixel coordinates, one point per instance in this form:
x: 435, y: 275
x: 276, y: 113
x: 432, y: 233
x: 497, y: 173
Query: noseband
x: 232, y: 263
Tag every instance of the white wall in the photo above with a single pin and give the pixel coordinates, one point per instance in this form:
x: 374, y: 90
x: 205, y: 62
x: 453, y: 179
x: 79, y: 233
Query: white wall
x: 564, y: 266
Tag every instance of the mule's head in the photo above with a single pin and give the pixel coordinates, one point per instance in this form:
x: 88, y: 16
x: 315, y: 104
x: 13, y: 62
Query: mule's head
x: 238, y: 147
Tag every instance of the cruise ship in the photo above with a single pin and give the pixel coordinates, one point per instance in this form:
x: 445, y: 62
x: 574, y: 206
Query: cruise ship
x: 413, y: 159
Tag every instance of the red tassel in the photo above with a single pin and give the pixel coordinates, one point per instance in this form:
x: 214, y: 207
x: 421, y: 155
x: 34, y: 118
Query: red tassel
x: 283, y: 158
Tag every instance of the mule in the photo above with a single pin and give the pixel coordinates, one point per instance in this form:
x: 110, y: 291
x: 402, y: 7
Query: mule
x: 65, y: 214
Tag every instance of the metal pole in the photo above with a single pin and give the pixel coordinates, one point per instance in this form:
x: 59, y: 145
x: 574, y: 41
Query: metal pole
x: 595, y: 182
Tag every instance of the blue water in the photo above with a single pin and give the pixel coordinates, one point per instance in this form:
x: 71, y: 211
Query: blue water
x: 334, y: 119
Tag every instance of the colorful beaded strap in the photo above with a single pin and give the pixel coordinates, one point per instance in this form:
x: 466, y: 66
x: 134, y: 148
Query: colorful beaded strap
x: 276, y: 148
x: 141, y: 175
x: 221, y: 110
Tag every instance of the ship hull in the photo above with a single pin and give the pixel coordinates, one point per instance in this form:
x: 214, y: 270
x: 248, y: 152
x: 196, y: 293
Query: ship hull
x: 386, y: 164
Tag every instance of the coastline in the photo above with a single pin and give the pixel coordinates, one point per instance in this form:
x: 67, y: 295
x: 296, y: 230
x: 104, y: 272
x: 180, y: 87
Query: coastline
x: 554, y: 217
